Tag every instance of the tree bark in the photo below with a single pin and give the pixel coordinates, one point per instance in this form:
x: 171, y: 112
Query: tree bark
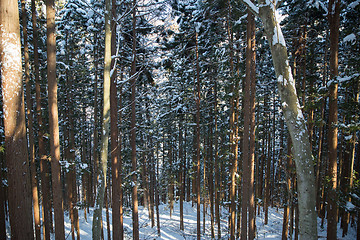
x: 117, y: 218
x: 19, y: 196
x: 334, y: 19
x: 54, y: 121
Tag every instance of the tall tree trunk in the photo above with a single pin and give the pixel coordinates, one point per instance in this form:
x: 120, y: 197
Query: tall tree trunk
x: 285, y: 228
x: 94, y: 172
x: 72, y: 193
x: 44, y: 169
x: 29, y: 112
x: 157, y: 201
x: 233, y: 128
x: 19, y: 198
x: 99, y: 202
x: 135, y: 214
x: 252, y: 66
x: 294, y: 119
x: 54, y: 121
x: 181, y: 159
x: 211, y: 175
x: 217, y: 163
x: 117, y: 218
x: 197, y: 100
x: 248, y: 201
x: 334, y: 19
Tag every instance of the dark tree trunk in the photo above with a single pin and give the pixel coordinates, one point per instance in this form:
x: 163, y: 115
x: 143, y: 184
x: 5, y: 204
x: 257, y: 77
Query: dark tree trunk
x: 133, y: 128
x: 29, y: 112
x: 117, y: 218
x: 197, y: 100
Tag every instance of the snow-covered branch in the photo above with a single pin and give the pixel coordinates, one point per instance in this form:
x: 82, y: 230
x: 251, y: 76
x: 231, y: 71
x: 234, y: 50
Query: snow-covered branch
x: 251, y: 6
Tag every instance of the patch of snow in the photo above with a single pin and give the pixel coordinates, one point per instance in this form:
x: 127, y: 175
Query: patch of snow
x: 354, y: 4
x: 350, y: 38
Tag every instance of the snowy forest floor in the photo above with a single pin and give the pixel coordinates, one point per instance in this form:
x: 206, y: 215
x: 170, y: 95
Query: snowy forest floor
x: 170, y: 227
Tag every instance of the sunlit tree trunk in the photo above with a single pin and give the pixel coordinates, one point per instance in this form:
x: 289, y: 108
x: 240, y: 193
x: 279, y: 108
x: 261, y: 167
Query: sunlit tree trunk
x: 54, y: 121
x: 334, y: 19
x: 18, y: 175
x: 101, y: 185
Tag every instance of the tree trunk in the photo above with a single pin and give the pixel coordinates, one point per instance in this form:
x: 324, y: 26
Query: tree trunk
x: 181, y: 158
x: 285, y: 228
x: 94, y: 166
x: 54, y: 121
x: 99, y: 202
x: 197, y: 100
x: 294, y: 119
x: 157, y: 201
x: 20, y: 209
x: 29, y: 112
x: 135, y: 214
x: 252, y: 56
x: 217, y: 163
x: 334, y: 19
x: 44, y: 169
x: 117, y: 218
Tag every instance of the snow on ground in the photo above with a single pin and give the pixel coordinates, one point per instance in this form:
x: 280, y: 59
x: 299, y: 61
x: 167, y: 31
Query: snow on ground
x: 170, y: 226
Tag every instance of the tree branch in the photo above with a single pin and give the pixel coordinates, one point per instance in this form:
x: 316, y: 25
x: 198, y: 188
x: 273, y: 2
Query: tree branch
x: 251, y: 6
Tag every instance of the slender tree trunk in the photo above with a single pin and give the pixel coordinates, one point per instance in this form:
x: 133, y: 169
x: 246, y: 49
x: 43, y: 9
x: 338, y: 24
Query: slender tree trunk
x: 252, y: 56
x: 267, y: 173
x: 99, y: 202
x: 181, y: 158
x: 217, y: 170
x: 95, y: 164
x: 294, y: 119
x: 117, y: 222
x: 334, y: 19
x: 44, y: 169
x: 211, y: 176
x: 197, y: 100
x: 18, y: 175
x: 157, y: 201
x: 71, y: 150
x: 54, y: 121
x: 234, y: 129
x: 133, y: 129
x: 285, y: 229
x: 107, y: 198
x: 29, y: 112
